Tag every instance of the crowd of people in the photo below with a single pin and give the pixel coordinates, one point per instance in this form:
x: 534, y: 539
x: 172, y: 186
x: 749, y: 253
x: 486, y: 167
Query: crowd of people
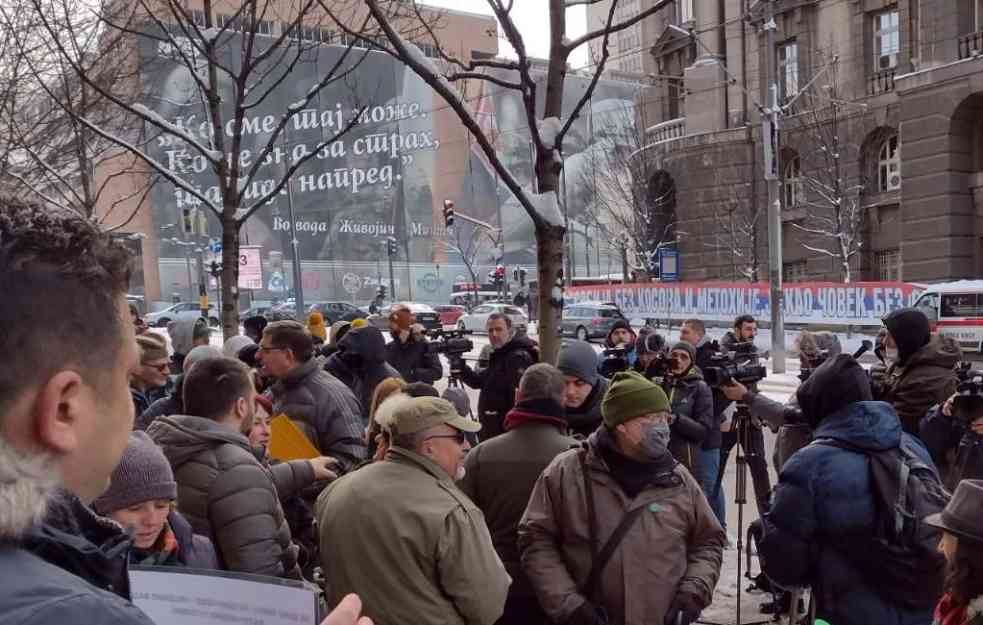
x: 585, y: 493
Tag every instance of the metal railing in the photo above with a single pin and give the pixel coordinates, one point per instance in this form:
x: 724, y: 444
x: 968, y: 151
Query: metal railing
x: 881, y: 82
x: 970, y: 45
x: 666, y: 131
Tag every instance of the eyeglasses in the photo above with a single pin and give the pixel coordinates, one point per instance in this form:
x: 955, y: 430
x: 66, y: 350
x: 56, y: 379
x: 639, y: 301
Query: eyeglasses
x: 458, y: 436
x: 164, y: 367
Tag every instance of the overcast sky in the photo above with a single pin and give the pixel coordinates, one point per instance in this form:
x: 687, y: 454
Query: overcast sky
x: 532, y: 19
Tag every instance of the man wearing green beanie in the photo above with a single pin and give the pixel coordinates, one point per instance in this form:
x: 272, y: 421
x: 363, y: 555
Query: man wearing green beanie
x: 667, y: 543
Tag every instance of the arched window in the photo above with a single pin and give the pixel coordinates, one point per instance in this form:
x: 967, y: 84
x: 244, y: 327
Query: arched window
x: 792, y: 181
x: 889, y: 165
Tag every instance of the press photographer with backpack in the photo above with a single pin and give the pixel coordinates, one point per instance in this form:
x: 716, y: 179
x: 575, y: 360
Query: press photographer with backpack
x: 835, y: 522
x: 953, y: 432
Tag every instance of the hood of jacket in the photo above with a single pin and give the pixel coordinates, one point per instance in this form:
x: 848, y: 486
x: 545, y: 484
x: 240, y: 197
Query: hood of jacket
x: 182, y: 437
x: 74, y: 538
x: 835, y: 384
x: 872, y: 425
x: 939, y: 351
x: 182, y: 332
x: 26, y: 484
x: 910, y: 329
x: 621, y: 324
x: 366, y: 342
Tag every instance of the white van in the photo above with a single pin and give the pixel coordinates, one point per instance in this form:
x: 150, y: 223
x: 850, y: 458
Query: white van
x: 955, y: 309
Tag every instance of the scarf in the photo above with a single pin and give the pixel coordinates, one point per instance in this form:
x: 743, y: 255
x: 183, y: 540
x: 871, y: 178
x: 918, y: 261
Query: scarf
x: 632, y: 475
x: 164, y: 552
x: 536, y: 411
x: 947, y: 614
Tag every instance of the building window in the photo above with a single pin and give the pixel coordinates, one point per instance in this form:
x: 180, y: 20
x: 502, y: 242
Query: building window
x: 684, y: 9
x: 198, y: 17
x: 792, y: 182
x: 887, y: 41
x: 888, y: 265
x: 889, y: 165
x: 788, y: 70
x: 795, y: 272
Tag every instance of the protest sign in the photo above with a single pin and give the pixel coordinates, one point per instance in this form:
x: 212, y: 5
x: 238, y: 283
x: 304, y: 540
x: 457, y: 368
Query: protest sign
x: 180, y: 596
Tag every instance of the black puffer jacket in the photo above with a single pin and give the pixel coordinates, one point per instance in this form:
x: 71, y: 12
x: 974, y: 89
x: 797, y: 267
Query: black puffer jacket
x: 412, y: 360
x: 76, y: 539
x: 499, y: 381
x: 586, y: 418
x: 228, y: 495
x: 173, y: 403
x: 324, y: 409
x: 694, y: 426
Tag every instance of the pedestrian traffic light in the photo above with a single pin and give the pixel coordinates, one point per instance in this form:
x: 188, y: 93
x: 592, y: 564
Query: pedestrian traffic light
x: 216, y: 268
x: 391, y: 246
x: 381, y: 291
x: 448, y: 213
x: 522, y: 276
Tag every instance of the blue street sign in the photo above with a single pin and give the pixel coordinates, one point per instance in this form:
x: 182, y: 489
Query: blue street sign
x: 668, y: 265
x: 215, y: 246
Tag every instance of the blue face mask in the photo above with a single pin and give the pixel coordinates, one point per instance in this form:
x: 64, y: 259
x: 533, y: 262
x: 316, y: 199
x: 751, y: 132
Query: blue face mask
x: 655, y: 439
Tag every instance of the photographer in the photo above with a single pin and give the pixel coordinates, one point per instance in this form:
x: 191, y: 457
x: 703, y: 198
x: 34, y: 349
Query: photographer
x: 408, y: 352
x: 510, y: 357
x: 745, y: 329
x: 695, y: 436
x: 653, y: 356
x: 622, y: 338
x: 793, y: 433
x: 953, y: 433
x: 920, y: 373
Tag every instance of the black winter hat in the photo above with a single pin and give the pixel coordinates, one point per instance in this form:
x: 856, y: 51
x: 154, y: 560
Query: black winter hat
x: 910, y: 329
x: 834, y: 385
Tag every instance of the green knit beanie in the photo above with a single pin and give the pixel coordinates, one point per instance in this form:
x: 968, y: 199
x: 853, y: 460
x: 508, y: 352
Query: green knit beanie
x: 631, y: 395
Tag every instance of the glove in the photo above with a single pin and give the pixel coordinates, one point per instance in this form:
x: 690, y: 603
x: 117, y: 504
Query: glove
x: 685, y: 609
x: 587, y: 614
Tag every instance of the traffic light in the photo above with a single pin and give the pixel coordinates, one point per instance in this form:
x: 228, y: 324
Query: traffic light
x: 448, y: 213
x: 522, y: 276
x: 381, y: 291
x: 216, y: 268
x: 188, y: 219
x: 391, y: 246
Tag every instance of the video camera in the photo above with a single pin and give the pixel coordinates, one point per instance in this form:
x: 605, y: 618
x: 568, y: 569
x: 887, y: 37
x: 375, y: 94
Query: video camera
x: 734, y: 366
x: 823, y: 356
x: 968, y: 403
x: 613, y: 360
x: 658, y: 370
x: 452, y: 344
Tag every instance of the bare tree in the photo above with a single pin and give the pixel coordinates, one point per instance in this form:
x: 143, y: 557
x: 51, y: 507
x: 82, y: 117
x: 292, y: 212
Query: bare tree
x: 46, y: 153
x: 547, y: 119
x: 833, y: 222
x: 231, y: 155
x: 471, y: 246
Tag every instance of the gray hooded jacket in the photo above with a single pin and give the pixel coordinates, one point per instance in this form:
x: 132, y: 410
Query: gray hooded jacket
x: 228, y: 495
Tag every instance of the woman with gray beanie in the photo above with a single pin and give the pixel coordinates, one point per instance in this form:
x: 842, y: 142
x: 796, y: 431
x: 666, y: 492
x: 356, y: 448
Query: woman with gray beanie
x: 141, y: 498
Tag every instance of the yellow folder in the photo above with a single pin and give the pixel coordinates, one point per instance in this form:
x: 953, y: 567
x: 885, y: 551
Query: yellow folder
x: 288, y: 442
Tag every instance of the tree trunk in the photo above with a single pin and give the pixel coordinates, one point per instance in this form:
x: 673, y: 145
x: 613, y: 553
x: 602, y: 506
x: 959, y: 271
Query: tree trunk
x: 230, y: 278
x: 549, y: 258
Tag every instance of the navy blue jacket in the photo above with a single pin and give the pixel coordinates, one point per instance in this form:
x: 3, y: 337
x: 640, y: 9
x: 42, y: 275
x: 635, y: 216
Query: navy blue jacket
x: 825, y: 492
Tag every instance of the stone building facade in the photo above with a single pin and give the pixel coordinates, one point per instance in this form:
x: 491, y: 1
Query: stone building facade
x: 881, y: 149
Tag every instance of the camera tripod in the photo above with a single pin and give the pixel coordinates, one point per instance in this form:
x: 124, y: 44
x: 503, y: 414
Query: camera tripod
x: 742, y: 427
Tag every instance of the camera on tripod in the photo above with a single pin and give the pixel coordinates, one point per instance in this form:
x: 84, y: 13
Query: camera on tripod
x: 734, y: 366
x: 613, y: 360
x: 967, y: 406
x: 452, y: 344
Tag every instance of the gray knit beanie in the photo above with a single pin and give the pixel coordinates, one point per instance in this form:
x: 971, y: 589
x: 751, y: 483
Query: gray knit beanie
x: 683, y: 346
x: 143, y: 474
x: 579, y: 359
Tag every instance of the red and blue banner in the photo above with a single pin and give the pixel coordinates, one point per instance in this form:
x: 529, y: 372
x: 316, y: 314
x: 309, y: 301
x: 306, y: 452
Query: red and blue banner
x: 857, y: 303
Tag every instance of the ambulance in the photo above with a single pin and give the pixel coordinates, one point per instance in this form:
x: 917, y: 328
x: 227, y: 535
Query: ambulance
x: 955, y: 309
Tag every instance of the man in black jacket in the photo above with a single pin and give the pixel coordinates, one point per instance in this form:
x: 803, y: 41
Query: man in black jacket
x: 510, y: 357
x: 407, y: 352
x: 584, y: 389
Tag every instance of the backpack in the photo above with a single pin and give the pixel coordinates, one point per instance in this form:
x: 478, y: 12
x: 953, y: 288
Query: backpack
x: 900, y: 561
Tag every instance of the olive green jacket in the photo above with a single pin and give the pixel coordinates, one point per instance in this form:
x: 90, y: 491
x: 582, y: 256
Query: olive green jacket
x: 414, y: 547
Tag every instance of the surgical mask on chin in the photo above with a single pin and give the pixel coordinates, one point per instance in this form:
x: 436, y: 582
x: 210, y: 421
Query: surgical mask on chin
x: 891, y: 355
x: 655, y: 440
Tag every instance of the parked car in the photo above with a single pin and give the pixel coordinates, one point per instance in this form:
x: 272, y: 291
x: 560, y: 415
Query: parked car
x: 334, y: 311
x: 161, y: 318
x: 450, y: 313
x: 475, y: 320
x: 425, y: 316
x: 588, y: 320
